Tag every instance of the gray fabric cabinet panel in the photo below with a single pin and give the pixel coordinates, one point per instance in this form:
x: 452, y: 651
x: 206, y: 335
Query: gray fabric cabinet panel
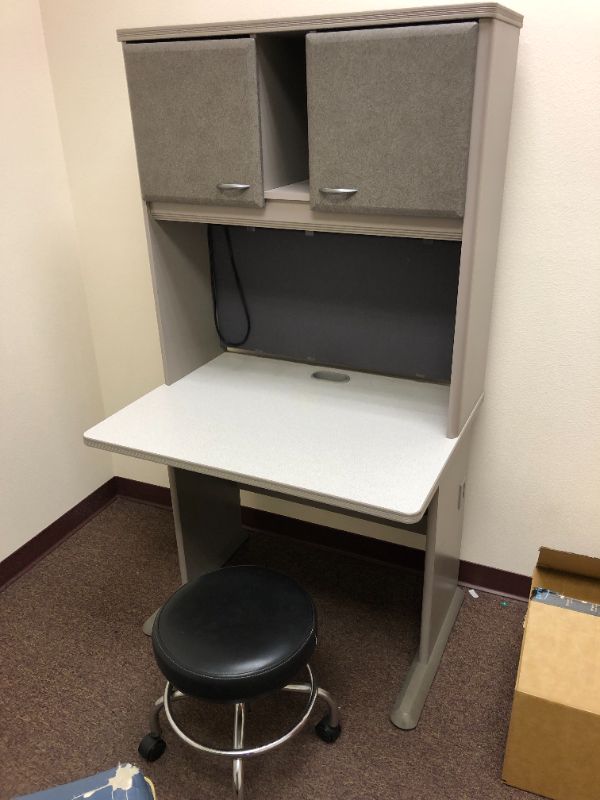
x: 194, y: 106
x: 389, y: 113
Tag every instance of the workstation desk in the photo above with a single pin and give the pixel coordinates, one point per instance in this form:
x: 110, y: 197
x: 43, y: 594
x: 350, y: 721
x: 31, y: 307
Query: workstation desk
x: 375, y: 446
x: 384, y: 433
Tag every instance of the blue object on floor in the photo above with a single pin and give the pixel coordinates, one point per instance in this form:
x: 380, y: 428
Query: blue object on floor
x: 124, y: 782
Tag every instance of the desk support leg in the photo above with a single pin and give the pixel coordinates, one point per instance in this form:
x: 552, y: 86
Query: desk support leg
x: 442, y: 597
x: 208, y: 524
x: 149, y: 623
x: 208, y: 521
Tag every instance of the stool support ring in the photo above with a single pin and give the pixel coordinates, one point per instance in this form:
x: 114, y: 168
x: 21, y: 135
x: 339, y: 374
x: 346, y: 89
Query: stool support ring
x: 171, y: 693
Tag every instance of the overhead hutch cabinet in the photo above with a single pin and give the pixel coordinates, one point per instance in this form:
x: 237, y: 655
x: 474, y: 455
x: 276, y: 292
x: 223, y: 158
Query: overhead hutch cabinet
x: 322, y: 199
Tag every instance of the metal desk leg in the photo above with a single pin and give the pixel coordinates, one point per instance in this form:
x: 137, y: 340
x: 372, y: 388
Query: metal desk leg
x: 208, y: 521
x: 442, y: 597
x: 148, y: 624
x: 208, y: 524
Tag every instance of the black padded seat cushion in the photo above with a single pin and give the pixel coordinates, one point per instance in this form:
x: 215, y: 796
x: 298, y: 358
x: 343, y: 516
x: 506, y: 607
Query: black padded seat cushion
x: 235, y: 634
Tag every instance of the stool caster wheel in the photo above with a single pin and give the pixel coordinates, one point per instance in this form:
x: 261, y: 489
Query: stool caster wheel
x: 152, y: 747
x: 327, y: 732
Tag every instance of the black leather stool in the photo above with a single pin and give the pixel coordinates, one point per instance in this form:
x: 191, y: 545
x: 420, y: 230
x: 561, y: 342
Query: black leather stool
x: 231, y: 636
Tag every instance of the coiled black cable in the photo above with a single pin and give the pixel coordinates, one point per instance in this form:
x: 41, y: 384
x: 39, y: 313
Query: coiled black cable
x: 238, y: 283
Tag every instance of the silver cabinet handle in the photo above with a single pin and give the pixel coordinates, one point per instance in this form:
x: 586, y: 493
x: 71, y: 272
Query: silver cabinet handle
x: 225, y: 186
x: 347, y: 192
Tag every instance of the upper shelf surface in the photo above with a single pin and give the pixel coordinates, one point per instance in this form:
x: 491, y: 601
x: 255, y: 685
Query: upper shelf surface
x: 299, y: 191
x: 444, y: 13
x: 374, y: 445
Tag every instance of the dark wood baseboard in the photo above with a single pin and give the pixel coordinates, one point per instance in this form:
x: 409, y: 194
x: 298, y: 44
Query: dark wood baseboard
x: 477, y: 575
x: 495, y: 580
x: 44, y: 542
x: 144, y: 492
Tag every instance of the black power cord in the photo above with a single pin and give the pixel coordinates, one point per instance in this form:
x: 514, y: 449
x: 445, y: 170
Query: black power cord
x: 238, y: 283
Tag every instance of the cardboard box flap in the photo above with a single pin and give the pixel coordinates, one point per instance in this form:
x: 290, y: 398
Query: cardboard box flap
x: 586, y: 566
x: 572, y: 575
x: 560, y: 658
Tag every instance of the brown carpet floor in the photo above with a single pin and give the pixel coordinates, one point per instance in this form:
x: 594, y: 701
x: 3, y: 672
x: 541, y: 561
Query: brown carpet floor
x: 77, y: 676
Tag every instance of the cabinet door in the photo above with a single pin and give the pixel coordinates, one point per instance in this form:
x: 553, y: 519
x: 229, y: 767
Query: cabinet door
x: 194, y: 106
x: 389, y: 115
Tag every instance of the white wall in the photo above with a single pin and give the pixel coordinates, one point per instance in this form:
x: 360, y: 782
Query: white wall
x: 50, y: 390
x: 535, y: 470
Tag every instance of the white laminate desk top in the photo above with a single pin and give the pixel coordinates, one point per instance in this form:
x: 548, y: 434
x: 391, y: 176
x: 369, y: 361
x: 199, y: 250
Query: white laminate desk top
x: 374, y: 445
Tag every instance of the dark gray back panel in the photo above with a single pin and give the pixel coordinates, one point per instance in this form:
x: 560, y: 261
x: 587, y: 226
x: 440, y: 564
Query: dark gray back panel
x: 371, y: 303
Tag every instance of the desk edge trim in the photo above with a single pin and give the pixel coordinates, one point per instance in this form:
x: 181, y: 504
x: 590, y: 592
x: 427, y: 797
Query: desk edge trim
x: 293, y: 491
x: 418, y: 15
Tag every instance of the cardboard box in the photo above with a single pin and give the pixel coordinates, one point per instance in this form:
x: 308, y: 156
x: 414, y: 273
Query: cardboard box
x: 553, y: 746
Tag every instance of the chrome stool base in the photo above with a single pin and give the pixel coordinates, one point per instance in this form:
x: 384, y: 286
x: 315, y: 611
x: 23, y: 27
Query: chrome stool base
x: 328, y: 729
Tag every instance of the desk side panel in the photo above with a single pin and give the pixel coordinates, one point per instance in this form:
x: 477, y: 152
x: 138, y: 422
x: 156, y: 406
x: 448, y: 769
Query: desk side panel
x: 208, y: 521
x: 494, y: 80
x: 182, y: 292
x: 444, y: 535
